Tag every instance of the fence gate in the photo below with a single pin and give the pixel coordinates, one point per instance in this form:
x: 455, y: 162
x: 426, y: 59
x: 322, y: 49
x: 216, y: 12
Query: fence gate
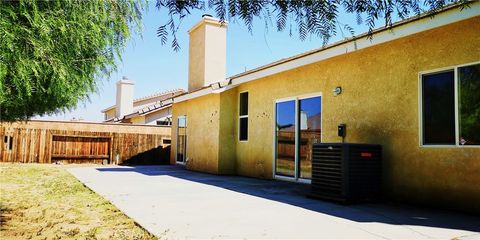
x: 81, y: 149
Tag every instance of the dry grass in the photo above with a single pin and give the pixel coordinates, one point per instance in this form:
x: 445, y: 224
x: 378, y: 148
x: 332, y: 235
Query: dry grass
x: 46, y: 202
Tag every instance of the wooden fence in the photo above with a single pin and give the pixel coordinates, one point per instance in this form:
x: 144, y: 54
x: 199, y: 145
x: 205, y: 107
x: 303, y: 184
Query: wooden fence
x: 75, y: 142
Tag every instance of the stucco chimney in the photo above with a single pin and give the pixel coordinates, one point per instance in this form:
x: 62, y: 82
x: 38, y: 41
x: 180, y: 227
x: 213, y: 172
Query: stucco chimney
x: 207, y: 53
x: 124, y: 103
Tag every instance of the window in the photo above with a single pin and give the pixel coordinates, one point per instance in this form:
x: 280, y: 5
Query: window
x: 469, y: 104
x: 243, y: 117
x: 438, y: 108
x: 8, y: 142
x: 451, y: 106
x: 164, y: 123
x: 181, y: 139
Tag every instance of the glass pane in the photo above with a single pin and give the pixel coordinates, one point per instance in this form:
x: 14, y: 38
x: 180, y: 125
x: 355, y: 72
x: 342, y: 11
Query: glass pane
x: 181, y: 139
x: 310, y: 132
x: 182, y: 122
x: 243, y: 129
x: 469, y: 104
x: 438, y: 108
x: 244, y: 103
x: 285, y: 133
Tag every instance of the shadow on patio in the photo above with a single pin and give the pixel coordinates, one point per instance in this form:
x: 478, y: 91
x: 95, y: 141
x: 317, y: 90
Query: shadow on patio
x: 295, y: 194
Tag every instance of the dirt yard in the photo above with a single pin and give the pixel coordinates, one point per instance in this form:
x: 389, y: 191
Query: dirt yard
x: 46, y: 202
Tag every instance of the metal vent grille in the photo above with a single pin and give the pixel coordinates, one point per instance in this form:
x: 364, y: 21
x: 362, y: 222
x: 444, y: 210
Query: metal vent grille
x: 327, y: 176
x: 346, y: 172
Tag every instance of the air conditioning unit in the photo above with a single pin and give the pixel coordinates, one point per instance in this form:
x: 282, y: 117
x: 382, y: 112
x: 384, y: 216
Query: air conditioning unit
x: 346, y: 172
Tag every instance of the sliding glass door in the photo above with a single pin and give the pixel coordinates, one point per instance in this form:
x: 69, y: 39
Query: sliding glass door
x: 309, y: 133
x: 298, y: 127
x: 285, y: 139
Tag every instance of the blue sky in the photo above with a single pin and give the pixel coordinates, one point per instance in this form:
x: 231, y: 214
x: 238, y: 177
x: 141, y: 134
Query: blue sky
x: 155, y: 68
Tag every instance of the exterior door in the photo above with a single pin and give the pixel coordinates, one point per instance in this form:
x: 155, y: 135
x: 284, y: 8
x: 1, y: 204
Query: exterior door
x: 181, y: 140
x: 297, y: 128
x: 285, y: 157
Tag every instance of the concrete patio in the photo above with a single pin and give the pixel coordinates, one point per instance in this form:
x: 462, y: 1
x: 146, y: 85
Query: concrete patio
x: 174, y: 203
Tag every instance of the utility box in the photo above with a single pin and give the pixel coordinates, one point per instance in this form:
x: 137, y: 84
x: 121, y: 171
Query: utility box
x: 346, y: 172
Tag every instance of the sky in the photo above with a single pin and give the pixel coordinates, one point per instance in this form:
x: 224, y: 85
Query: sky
x: 156, y: 68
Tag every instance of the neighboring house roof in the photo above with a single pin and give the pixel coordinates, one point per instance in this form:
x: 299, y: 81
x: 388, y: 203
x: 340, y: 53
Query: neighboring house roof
x: 160, y: 97
x: 407, y: 27
x: 151, y: 109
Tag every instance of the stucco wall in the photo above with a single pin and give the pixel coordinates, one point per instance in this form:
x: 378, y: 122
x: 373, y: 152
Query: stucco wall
x: 379, y: 104
x: 203, y: 121
x: 227, y: 137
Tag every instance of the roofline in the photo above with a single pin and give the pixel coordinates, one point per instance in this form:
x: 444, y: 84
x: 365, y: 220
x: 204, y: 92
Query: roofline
x: 404, y: 28
x: 149, y: 97
x: 139, y: 113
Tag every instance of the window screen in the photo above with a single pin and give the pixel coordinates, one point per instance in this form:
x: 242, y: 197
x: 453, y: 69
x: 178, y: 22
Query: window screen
x: 243, y: 103
x: 469, y: 104
x: 243, y: 118
x: 438, y: 107
x: 243, y: 129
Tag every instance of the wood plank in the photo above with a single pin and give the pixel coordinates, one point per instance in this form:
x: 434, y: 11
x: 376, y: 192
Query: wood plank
x: 41, y: 145
x: 66, y: 156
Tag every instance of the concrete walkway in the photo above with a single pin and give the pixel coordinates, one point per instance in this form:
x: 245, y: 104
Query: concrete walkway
x: 173, y: 203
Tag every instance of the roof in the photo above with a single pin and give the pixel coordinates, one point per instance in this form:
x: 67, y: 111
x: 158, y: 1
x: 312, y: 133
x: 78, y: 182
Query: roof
x: 407, y: 27
x: 160, y: 95
x: 148, y: 110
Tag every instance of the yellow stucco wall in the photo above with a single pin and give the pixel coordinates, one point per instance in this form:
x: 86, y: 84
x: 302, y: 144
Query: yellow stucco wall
x: 379, y: 104
x: 227, y: 136
x: 138, y: 120
x: 209, y: 123
x: 203, y: 120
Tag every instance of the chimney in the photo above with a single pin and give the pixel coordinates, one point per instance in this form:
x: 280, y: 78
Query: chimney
x: 124, y: 104
x: 207, y: 53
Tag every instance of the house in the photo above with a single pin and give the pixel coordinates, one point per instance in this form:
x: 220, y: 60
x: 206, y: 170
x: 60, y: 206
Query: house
x: 149, y: 110
x: 414, y: 88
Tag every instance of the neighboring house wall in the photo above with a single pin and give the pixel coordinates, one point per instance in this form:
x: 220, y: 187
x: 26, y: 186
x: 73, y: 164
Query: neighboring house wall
x: 148, y: 103
x: 110, y: 114
x: 137, y: 120
x: 379, y: 104
x: 151, y: 119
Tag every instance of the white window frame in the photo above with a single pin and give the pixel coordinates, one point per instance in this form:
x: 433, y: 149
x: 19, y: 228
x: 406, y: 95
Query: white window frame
x: 243, y: 116
x: 297, y: 99
x: 456, y: 101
